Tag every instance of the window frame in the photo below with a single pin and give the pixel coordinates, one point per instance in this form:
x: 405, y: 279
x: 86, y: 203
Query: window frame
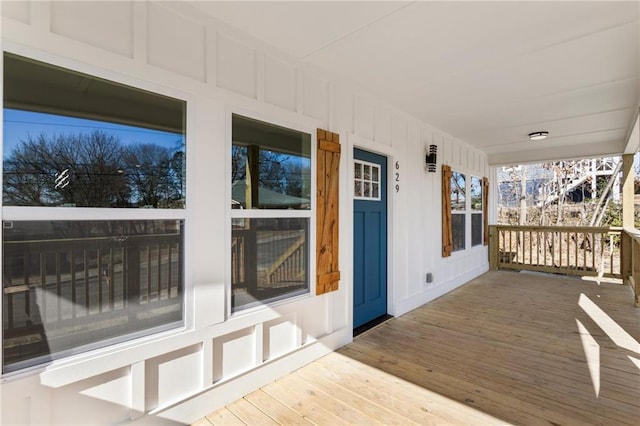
x: 184, y: 214
x: 476, y: 212
x: 468, y: 211
x: 309, y: 214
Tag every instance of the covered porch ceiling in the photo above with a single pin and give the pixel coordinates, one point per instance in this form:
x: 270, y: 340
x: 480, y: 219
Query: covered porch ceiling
x: 488, y: 73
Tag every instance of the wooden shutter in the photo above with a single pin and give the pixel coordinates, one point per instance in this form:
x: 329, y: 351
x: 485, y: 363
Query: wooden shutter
x: 485, y: 209
x: 447, y: 233
x: 327, y: 270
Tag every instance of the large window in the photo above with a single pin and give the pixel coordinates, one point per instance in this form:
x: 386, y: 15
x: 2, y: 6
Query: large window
x: 271, y: 211
x: 79, y: 281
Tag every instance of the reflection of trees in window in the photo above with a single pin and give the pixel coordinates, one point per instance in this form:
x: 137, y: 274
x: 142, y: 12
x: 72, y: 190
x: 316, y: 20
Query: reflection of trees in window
x: 458, y: 191
x: 92, y: 170
x: 286, y: 174
x: 476, y: 193
x: 155, y: 175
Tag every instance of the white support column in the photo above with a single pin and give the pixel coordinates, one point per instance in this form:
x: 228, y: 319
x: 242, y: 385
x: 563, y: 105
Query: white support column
x: 628, y: 175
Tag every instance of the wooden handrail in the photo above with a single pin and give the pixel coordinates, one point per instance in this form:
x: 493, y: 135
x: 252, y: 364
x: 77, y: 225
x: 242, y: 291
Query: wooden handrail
x: 569, y: 250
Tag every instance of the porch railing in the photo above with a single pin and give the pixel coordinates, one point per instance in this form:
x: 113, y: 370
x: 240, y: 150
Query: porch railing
x: 631, y: 261
x: 584, y: 251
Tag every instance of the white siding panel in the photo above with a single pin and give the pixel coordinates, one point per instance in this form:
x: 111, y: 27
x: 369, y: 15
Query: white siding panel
x: 343, y: 106
x: 237, y: 66
x: 314, y: 319
x: 399, y: 131
x: 446, y: 151
x: 108, y: 394
x: 383, y: 125
x: 280, y: 83
x: 175, y: 43
x: 365, y: 118
x: 234, y: 353
x: 280, y: 336
x: 15, y: 409
x: 16, y: 10
x: 315, y: 94
x: 173, y: 376
x: 93, y: 23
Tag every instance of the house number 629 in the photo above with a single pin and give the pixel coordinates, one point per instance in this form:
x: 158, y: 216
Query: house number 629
x: 397, y: 176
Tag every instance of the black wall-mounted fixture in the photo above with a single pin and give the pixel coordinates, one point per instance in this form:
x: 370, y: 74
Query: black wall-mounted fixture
x: 431, y: 159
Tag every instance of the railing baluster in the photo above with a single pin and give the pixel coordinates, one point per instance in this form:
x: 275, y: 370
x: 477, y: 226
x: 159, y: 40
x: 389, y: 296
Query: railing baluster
x: 611, y: 269
x: 43, y: 285
x: 9, y: 273
x: 159, y: 274
x: 575, y: 243
x: 111, y: 281
x: 100, y: 274
x: 58, y: 288
x: 593, y: 251
x: 87, y: 301
x: 538, y: 248
x: 553, y: 249
x: 72, y: 269
x: 148, y: 272
x: 169, y: 269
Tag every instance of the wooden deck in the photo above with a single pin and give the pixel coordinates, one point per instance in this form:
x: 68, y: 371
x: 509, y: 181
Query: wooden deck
x: 507, y: 347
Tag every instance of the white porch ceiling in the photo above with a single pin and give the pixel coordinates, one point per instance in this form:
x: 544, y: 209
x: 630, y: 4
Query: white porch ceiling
x: 487, y: 73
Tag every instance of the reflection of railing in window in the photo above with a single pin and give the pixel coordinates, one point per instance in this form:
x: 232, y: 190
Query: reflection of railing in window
x: 289, y: 266
x: 283, y: 260
x: 83, y: 290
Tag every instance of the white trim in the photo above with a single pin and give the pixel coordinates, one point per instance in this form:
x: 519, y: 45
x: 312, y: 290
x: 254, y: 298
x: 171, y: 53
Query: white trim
x: 89, y: 213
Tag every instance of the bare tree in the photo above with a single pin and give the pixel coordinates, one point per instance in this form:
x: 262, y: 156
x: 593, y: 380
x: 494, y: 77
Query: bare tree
x: 84, y: 170
x: 92, y: 170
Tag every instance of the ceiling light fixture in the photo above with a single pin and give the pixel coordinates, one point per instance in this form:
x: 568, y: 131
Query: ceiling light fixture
x: 538, y: 136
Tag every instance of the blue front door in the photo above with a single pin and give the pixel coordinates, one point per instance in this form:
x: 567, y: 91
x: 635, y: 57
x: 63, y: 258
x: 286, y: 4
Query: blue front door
x: 369, y: 237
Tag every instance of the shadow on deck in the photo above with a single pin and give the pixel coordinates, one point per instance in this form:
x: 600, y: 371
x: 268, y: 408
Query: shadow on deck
x: 510, y: 347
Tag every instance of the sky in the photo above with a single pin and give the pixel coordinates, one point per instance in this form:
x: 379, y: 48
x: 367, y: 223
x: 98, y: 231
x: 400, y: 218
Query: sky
x: 19, y: 124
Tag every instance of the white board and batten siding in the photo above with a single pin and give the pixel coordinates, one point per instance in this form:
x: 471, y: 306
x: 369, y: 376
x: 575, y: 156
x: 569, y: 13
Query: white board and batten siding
x: 174, y: 50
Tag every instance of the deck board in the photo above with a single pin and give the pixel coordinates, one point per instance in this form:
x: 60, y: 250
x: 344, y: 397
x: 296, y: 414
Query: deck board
x: 505, y: 347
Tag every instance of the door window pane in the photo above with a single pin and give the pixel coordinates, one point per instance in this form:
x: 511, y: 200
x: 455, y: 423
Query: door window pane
x: 367, y: 180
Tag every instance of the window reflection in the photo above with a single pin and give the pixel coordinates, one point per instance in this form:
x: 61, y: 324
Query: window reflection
x: 458, y: 191
x: 70, y: 284
x: 476, y: 194
x: 73, y: 140
x: 268, y: 260
x: 458, y: 231
x: 270, y: 166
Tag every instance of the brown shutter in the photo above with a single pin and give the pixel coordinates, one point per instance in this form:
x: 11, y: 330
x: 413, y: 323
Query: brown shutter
x: 485, y: 209
x: 447, y: 234
x: 327, y: 270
